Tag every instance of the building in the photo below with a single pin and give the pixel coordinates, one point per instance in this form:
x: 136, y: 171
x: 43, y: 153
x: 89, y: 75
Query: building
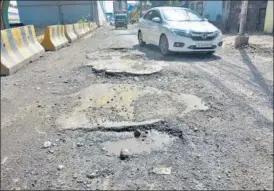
x: 268, y: 25
x: 119, y: 6
x: 255, y: 16
x: 13, y: 14
x: 51, y: 12
x: 212, y: 10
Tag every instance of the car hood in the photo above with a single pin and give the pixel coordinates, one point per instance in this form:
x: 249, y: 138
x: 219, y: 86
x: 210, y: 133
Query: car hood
x: 195, y: 26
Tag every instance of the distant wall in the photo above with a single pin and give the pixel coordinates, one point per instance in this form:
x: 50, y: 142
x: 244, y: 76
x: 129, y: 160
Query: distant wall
x: 212, y: 10
x: 101, y: 12
x: 268, y: 26
x: 54, y: 12
x: 255, y: 16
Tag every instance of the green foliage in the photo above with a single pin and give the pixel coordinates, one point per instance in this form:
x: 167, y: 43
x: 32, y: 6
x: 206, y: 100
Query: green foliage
x: 83, y: 21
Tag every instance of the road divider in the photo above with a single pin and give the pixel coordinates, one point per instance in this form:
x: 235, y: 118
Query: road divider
x: 86, y: 28
x: 92, y: 26
x: 70, y: 34
x: 54, y: 38
x: 79, y: 30
x: 19, y: 46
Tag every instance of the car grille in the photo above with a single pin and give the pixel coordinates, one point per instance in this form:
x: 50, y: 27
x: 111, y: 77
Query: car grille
x: 200, y: 36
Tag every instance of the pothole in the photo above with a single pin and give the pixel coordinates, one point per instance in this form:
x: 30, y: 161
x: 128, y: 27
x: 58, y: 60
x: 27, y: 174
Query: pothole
x: 120, y: 49
x: 153, y: 140
x: 125, y: 67
x: 119, y: 105
x: 122, y: 61
x: 134, y: 57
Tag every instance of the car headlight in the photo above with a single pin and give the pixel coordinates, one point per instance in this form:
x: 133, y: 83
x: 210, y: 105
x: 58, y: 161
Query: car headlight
x: 181, y: 32
x: 218, y: 33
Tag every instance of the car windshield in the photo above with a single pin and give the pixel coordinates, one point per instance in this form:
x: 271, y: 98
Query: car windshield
x: 120, y: 17
x: 179, y: 14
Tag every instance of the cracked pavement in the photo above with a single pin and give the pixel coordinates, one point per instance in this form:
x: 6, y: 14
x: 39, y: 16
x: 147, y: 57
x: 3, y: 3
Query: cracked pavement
x: 206, y: 122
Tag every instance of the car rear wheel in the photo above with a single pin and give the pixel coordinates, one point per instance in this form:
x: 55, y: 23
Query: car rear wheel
x: 140, y: 39
x: 163, y: 45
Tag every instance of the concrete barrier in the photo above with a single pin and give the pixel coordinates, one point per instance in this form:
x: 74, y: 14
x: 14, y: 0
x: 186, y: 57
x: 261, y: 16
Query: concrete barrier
x: 92, y: 26
x: 54, y: 37
x: 40, y: 38
x: 70, y: 34
x: 86, y: 28
x: 19, y: 46
x: 79, y: 30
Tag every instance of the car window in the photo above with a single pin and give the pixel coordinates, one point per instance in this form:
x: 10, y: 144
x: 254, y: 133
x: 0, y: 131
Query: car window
x: 147, y: 15
x: 155, y: 14
x: 193, y: 15
x: 179, y: 14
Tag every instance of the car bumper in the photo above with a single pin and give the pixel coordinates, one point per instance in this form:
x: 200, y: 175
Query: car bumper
x: 190, y: 45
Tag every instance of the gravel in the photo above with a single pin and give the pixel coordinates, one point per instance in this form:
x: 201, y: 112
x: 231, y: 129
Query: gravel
x: 235, y: 84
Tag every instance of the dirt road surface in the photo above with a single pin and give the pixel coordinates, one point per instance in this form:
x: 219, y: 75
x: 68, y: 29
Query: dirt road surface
x: 201, y: 122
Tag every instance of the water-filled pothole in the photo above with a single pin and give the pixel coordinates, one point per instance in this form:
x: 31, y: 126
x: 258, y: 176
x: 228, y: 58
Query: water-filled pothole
x: 154, y: 140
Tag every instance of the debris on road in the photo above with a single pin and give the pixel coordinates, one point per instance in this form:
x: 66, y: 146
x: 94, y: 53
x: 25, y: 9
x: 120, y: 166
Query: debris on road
x: 60, y: 167
x: 124, y: 154
x: 46, y: 144
x: 137, y: 133
x: 162, y: 170
x: 91, y: 175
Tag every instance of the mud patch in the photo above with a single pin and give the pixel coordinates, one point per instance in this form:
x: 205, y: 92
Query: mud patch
x: 102, y: 105
x: 154, y: 141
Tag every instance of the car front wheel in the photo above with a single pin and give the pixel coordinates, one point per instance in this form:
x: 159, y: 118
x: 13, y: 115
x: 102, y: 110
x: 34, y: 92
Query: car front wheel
x: 140, y: 39
x: 163, y: 45
x: 210, y: 52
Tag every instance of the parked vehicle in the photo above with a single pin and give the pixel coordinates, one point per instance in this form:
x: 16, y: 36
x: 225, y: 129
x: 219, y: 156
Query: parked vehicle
x: 121, y: 20
x: 178, y: 29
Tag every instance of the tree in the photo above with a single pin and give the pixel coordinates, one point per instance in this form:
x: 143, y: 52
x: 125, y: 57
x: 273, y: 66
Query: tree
x: 242, y: 39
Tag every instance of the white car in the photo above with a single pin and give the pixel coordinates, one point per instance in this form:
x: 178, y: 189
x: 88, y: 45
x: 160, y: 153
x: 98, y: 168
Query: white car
x: 178, y: 29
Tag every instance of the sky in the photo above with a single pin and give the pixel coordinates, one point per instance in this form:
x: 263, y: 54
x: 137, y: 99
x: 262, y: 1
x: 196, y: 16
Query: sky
x: 13, y: 2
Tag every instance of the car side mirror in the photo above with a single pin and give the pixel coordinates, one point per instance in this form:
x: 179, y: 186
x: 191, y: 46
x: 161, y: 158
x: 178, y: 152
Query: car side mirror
x: 156, y: 19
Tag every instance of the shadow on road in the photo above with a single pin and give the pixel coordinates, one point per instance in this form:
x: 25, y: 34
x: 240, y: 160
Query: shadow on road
x: 152, y: 52
x: 258, y: 78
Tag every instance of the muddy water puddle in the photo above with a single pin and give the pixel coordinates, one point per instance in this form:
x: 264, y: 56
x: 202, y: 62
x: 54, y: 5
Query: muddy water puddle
x: 155, y: 140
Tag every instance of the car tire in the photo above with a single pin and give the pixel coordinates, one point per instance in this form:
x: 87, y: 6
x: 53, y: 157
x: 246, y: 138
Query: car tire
x: 210, y: 52
x: 140, y: 39
x: 163, y: 45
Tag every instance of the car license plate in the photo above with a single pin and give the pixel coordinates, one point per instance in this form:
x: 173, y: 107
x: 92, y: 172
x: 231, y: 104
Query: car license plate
x: 203, y: 45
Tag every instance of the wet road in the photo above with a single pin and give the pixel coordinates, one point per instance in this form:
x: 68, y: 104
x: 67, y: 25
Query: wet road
x: 205, y: 122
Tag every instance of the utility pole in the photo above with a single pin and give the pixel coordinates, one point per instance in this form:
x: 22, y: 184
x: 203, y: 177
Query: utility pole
x: 141, y: 9
x: 242, y: 39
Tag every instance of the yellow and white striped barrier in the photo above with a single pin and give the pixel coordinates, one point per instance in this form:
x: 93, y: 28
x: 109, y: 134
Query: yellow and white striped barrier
x: 54, y: 37
x: 79, y: 29
x: 86, y: 28
x: 19, y: 46
x: 70, y: 34
x: 92, y: 26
